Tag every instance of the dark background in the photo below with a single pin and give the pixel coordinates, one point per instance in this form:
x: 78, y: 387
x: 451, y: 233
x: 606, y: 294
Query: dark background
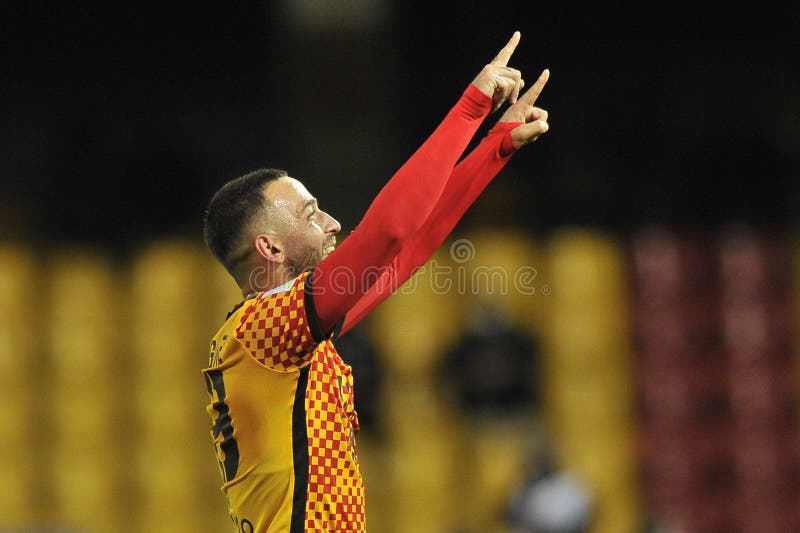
x: 121, y: 121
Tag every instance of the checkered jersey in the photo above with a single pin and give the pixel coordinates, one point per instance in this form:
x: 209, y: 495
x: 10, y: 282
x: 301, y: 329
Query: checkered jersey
x: 274, y: 327
x: 283, y: 408
x: 335, y: 487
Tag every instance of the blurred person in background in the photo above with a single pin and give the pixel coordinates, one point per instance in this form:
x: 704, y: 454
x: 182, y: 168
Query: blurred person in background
x: 493, y: 367
x: 281, y: 397
x: 551, y: 500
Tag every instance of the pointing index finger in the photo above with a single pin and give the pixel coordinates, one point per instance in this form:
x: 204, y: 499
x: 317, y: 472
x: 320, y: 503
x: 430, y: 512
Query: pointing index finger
x: 504, y: 55
x: 533, y: 93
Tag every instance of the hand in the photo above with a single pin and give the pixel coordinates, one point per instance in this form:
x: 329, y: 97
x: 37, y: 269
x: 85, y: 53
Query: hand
x: 534, y: 119
x: 499, y: 81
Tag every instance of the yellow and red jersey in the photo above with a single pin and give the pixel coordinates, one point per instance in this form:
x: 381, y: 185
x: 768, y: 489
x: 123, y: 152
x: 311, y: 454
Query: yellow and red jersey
x: 284, y: 421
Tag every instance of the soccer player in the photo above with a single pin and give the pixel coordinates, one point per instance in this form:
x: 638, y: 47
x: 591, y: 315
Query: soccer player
x: 282, y: 401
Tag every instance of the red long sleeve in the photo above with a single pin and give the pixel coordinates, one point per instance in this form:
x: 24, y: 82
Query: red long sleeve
x: 396, y: 214
x: 468, y: 180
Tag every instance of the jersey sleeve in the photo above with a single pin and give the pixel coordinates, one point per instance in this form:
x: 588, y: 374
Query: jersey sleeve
x: 275, y: 327
x: 469, y: 179
x: 398, y: 211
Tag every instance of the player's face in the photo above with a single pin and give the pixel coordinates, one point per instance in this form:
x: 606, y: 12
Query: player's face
x: 309, y: 232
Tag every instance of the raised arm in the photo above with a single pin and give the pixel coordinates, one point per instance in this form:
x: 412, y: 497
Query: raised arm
x: 403, y: 205
x: 521, y: 124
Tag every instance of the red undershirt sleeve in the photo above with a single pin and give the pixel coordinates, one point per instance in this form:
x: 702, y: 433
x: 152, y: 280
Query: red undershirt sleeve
x: 395, y: 215
x: 468, y: 180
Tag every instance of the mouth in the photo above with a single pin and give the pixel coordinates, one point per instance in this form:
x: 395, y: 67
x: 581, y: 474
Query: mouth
x: 330, y: 248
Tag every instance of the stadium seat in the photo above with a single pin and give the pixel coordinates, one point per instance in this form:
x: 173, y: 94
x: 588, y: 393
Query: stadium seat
x: 83, y: 351
x: 413, y: 327
x: 587, y: 365
x: 20, y: 367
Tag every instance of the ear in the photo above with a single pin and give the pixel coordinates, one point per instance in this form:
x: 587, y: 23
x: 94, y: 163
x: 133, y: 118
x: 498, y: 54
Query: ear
x: 270, y: 248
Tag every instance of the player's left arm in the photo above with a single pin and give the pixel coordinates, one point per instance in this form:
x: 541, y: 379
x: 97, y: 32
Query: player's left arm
x: 521, y: 124
x: 403, y: 205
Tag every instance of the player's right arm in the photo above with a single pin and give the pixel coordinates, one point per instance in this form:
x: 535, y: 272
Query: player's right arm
x: 521, y: 124
x: 403, y: 205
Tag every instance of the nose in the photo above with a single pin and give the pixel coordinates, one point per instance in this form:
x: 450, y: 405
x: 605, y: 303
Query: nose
x: 331, y: 225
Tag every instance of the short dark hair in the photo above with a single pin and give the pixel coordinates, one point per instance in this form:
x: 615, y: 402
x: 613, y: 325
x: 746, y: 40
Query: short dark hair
x: 231, y: 211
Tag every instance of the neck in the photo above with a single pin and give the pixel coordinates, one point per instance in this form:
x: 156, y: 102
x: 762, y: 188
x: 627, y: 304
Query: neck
x: 263, y: 279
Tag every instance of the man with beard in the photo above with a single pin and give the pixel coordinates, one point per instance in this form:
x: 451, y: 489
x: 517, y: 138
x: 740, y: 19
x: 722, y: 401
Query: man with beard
x: 281, y: 397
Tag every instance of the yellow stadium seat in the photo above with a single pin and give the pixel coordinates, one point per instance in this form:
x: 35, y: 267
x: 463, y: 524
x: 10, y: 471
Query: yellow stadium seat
x: 424, y: 458
x: 500, y: 457
x: 590, y: 344
x: 221, y: 293
x: 587, y: 365
x: 413, y: 326
x: 19, y: 337
x: 83, y: 351
x: 504, y: 269
x: 585, y: 266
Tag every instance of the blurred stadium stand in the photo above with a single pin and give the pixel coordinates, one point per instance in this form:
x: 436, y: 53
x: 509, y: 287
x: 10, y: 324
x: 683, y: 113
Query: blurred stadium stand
x: 668, y: 377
